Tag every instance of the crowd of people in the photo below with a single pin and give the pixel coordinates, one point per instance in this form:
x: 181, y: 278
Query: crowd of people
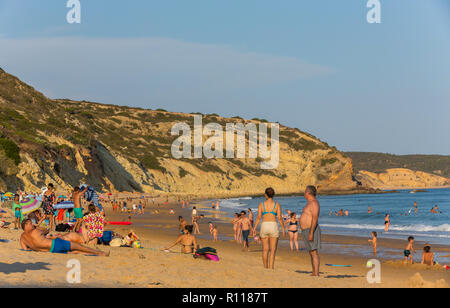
x: 85, y: 226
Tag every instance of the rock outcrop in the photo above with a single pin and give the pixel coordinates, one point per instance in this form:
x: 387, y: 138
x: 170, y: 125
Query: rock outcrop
x: 400, y: 178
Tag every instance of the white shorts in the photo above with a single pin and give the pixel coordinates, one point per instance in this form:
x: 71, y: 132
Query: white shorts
x: 269, y: 228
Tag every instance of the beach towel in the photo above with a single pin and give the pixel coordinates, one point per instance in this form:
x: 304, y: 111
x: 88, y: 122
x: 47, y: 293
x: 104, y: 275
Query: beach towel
x: 208, y: 253
x: 206, y: 250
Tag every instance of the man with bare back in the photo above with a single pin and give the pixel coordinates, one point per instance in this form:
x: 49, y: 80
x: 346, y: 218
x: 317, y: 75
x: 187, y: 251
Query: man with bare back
x: 35, y: 239
x: 76, y: 197
x: 309, y: 223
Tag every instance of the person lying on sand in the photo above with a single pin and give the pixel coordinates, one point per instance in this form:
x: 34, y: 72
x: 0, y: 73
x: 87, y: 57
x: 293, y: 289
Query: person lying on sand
x: 186, y: 240
x: 35, y: 239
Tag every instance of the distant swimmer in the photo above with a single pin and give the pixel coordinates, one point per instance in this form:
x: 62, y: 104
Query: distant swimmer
x: 435, y: 210
x: 369, y: 210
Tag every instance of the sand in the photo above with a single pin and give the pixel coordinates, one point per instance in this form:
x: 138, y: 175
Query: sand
x: 152, y: 268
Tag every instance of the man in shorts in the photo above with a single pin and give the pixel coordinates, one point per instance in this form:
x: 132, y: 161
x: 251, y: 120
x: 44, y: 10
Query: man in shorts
x: 246, y: 227
x: 309, y: 223
x: 78, y: 211
x: 35, y: 239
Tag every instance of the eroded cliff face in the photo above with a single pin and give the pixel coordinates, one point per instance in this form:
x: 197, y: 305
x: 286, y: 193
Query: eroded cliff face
x: 123, y: 149
x: 400, y: 178
x: 110, y: 171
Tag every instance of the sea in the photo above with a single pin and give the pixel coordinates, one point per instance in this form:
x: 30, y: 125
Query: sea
x: 424, y: 226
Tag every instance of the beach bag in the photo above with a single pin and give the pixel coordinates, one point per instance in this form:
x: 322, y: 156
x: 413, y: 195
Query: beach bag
x: 106, y: 238
x: 117, y: 242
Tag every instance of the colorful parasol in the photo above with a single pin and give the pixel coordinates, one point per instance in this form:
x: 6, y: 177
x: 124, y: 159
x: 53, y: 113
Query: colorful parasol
x: 29, y: 205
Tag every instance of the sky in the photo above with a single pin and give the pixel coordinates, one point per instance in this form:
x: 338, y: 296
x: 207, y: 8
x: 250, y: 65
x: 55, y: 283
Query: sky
x: 317, y: 65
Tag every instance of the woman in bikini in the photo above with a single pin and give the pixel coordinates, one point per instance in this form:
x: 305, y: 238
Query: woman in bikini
x: 186, y: 240
x: 270, y: 212
x: 292, y: 227
x: 387, y: 223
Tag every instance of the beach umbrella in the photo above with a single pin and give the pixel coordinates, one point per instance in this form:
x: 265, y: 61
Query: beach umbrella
x: 64, y: 205
x: 29, y: 205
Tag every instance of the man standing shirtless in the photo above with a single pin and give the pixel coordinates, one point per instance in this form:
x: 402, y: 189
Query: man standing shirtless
x: 35, y: 239
x: 246, y: 227
x: 309, y: 223
x: 76, y: 197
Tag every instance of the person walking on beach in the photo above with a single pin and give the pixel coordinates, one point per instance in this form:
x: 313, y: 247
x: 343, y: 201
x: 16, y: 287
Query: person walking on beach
x: 270, y: 212
x: 246, y: 227
x: 387, y: 223
x: 292, y: 228
x: 194, y: 213
x: 250, y: 216
x: 374, y: 242
x: 195, y: 224
x: 309, y: 223
x: 236, y: 227
x: 407, y: 252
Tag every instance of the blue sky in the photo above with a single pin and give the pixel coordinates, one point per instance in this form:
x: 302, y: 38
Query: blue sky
x: 313, y: 64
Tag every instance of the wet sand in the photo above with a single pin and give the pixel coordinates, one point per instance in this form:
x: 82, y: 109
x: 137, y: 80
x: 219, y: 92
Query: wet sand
x: 151, y: 267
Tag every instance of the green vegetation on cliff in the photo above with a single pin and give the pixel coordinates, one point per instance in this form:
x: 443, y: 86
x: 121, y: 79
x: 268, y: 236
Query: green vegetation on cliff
x: 379, y: 162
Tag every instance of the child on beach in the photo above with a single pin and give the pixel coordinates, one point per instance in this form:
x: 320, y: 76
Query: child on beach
x: 374, y: 242
x: 213, y: 231
x: 427, y: 256
x: 17, y: 211
x: 407, y: 251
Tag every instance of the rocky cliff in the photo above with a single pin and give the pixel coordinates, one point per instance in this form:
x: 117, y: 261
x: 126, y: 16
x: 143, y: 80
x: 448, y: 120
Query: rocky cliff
x: 401, y: 178
x: 125, y: 149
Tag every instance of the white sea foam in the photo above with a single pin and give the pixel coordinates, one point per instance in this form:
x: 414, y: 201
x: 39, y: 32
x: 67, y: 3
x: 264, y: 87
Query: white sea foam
x: 416, y: 228
x: 243, y: 198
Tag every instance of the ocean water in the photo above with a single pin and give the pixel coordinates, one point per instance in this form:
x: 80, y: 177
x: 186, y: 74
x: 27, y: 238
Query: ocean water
x: 424, y: 226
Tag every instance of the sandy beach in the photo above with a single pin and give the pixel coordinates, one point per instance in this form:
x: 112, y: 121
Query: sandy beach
x: 150, y: 267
